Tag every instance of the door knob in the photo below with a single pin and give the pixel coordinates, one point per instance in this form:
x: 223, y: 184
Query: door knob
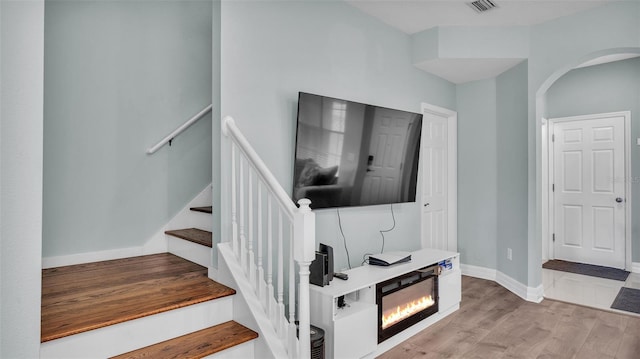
x: 426, y: 204
x: 619, y: 199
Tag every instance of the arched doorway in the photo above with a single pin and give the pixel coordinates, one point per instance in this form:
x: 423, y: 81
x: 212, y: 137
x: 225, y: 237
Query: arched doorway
x: 544, y: 227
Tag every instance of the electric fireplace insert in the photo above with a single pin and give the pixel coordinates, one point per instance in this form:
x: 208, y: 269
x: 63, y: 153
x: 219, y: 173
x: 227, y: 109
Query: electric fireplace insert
x: 405, y: 300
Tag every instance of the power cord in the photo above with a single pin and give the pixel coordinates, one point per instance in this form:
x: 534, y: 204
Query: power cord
x: 344, y: 239
x: 382, y: 232
x: 365, y: 257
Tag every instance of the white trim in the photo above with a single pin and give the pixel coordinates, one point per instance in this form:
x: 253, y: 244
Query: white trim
x: 547, y: 211
x: 530, y: 294
x: 89, y: 257
x: 547, y: 253
x: 635, y: 267
x: 478, y: 272
x: 452, y: 172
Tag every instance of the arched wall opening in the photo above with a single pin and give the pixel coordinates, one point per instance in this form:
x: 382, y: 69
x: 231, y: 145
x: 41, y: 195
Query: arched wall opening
x: 542, y: 232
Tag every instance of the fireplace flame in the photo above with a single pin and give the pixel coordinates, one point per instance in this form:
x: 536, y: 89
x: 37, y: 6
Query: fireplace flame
x: 409, y: 309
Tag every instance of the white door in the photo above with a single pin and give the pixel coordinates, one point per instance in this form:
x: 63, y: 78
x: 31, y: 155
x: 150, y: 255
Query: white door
x: 434, y: 182
x: 388, y: 142
x: 589, y: 191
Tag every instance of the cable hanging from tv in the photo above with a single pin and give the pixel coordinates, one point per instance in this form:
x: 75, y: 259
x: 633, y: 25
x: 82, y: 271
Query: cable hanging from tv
x: 344, y: 239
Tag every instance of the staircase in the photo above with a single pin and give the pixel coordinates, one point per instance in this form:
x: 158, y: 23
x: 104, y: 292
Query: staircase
x: 153, y: 306
x: 165, y: 305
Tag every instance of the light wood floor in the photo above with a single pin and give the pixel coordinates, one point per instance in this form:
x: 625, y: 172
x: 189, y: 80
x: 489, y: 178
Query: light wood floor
x: 494, y: 323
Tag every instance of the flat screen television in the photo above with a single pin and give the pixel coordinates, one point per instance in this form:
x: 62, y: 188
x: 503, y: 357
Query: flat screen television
x: 353, y: 154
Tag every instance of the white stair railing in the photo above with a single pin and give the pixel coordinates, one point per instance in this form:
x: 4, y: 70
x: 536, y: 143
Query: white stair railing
x: 261, y: 210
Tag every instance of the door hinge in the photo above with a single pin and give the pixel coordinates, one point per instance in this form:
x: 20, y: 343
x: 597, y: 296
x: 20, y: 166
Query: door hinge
x: 553, y: 187
x: 553, y: 237
x: 553, y: 137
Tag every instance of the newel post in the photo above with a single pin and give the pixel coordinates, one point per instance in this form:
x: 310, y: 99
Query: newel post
x: 304, y: 253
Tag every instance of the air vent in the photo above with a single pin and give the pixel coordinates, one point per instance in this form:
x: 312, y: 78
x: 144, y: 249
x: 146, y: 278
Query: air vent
x: 482, y: 5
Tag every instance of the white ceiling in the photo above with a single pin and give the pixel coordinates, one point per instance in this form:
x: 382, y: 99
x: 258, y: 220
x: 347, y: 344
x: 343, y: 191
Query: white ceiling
x: 412, y: 16
x: 460, y: 71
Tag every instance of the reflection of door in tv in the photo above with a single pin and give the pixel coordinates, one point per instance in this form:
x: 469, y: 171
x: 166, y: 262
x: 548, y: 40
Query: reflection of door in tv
x: 388, y: 144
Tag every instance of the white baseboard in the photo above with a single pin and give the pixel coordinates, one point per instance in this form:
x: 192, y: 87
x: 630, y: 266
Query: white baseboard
x: 478, y: 272
x: 635, y: 267
x: 79, y: 258
x: 531, y: 294
x: 157, y: 243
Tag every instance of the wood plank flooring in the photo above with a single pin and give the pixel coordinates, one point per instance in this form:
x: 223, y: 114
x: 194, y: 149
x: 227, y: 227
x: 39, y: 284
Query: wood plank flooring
x: 196, y: 345
x: 494, y: 323
x: 83, y: 297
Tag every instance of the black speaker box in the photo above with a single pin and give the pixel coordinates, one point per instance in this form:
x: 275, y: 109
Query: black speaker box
x: 320, y: 270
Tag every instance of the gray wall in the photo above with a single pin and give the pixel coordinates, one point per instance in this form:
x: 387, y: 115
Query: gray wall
x: 119, y: 76
x: 512, y: 174
x: 477, y: 173
x: 605, y: 88
x: 273, y: 49
x: 21, y: 64
x: 492, y: 172
x: 555, y: 47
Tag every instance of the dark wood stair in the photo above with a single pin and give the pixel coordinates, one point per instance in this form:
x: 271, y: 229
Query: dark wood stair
x: 84, y: 297
x: 197, y: 344
x: 202, y: 209
x: 194, y: 235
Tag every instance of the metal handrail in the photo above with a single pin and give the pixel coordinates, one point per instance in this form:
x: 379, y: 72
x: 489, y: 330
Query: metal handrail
x: 168, y: 138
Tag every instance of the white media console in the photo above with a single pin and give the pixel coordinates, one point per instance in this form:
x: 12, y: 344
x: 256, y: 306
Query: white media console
x: 352, y: 331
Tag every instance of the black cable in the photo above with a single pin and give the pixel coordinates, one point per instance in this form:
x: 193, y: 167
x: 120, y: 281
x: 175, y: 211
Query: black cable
x: 382, y: 232
x: 344, y: 239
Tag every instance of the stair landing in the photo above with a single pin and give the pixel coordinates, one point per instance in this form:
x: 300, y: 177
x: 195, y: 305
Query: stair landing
x: 84, y: 297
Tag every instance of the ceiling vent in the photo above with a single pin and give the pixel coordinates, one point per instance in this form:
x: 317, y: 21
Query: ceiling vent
x: 482, y: 5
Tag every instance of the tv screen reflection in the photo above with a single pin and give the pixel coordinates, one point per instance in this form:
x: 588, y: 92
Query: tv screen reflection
x: 353, y: 154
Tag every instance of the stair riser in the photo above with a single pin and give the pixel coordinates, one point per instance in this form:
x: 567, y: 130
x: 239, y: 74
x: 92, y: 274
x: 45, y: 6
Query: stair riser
x: 124, y: 337
x: 187, y: 218
x: 199, y: 220
x: 190, y: 251
x: 242, y: 351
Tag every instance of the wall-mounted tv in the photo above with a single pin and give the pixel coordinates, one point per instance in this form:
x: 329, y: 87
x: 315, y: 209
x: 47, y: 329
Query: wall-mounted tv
x: 354, y: 154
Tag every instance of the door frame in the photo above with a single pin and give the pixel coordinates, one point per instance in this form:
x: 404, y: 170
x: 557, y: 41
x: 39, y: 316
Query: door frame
x: 548, y: 251
x: 452, y: 174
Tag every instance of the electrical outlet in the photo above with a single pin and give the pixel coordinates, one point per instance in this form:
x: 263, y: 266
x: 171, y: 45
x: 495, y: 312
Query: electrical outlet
x: 509, y: 254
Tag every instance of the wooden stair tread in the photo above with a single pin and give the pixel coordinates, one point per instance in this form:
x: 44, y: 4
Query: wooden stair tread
x: 194, y: 235
x: 197, y: 344
x: 208, y: 209
x: 84, y: 297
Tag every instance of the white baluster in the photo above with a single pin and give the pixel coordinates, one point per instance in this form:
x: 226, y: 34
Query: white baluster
x: 243, y: 238
x: 250, y: 209
x: 270, y: 293
x: 261, y: 284
x: 281, y: 313
x: 234, y: 189
x: 292, y: 296
x: 304, y: 252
